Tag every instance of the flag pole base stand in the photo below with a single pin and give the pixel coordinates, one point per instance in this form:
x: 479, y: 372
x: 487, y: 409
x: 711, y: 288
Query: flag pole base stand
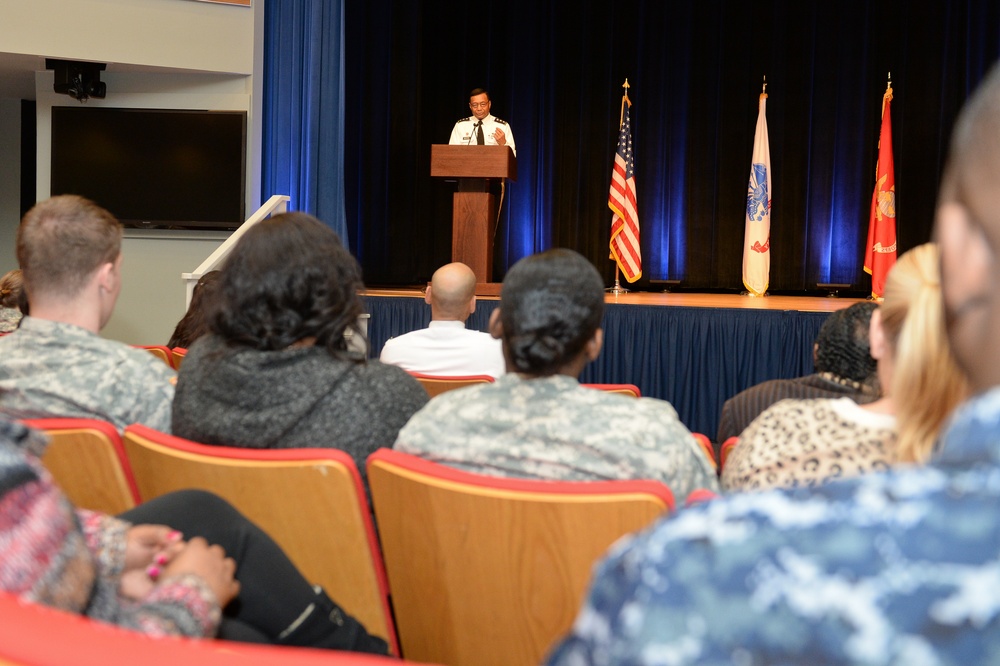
x: 753, y: 295
x: 618, y: 289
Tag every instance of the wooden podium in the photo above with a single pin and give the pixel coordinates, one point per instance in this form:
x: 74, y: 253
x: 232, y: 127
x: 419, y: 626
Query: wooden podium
x: 474, y: 212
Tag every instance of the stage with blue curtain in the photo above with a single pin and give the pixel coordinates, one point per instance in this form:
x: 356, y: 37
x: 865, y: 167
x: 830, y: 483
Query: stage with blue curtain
x: 695, y: 357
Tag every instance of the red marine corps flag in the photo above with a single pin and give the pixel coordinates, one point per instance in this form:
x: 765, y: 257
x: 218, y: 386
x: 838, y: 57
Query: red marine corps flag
x: 880, y: 253
x: 757, y: 230
x: 621, y: 200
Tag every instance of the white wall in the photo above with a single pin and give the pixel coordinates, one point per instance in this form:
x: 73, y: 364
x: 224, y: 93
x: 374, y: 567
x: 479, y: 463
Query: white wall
x: 173, y: 54
x: 152, y: 297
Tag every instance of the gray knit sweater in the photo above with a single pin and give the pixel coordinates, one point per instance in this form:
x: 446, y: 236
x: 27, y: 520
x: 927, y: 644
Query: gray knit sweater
x: 292, y: 398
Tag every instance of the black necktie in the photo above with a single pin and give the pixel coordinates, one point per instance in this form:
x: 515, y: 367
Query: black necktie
x: 479, y: 134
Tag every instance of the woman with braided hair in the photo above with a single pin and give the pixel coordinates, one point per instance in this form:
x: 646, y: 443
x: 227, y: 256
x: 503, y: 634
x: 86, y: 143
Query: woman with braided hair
x: 807, y: 442
x: 843, y: 366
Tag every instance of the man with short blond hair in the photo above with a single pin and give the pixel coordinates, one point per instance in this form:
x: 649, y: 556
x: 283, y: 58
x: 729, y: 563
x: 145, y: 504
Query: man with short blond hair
x: 56, y: 364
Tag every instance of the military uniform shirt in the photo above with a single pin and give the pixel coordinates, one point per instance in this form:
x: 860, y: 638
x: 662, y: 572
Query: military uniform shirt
x: 553, y: 428
x: 901, y: 567
x: 49, y: 368
x: 464, y: 132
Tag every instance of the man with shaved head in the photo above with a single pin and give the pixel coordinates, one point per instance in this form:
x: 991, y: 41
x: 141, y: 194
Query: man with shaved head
x: 446, y: 347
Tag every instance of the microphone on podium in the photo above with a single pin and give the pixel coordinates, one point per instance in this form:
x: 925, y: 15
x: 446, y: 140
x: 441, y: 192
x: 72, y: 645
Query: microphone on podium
x: 474, y: 128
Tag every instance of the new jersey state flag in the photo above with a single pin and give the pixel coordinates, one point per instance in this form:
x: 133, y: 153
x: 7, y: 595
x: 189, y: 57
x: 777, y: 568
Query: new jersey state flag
x: 757, y: 236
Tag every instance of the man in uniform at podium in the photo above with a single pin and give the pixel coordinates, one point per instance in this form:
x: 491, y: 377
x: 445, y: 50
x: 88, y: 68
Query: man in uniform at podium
x: 482, y: 127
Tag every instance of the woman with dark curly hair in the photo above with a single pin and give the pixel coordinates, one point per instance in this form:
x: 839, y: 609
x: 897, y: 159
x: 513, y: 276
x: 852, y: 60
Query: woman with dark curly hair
x: 274, y: 370
x: 537, y: 421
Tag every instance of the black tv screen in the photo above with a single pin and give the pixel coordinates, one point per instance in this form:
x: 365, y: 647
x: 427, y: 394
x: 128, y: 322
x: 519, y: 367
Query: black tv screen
x: 153, y: 168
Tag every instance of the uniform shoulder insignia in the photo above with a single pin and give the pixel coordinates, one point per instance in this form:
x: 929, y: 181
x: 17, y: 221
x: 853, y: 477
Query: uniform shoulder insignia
x: 466, y: 119
x: 498, y: 121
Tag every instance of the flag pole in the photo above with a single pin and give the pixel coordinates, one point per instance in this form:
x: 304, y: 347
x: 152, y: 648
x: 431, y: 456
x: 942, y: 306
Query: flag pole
x: 618, y: 288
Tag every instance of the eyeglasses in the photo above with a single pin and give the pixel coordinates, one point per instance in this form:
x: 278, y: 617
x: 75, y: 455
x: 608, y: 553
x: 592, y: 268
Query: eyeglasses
x: 478, y: 105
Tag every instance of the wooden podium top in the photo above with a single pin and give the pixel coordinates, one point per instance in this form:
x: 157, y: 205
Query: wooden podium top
x: 473, y: 161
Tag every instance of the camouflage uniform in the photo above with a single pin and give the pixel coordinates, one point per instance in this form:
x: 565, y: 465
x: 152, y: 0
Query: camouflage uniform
x: 49, y: 368
x: 9, y: 318
x: 894, y: 568
x: 553, y: 428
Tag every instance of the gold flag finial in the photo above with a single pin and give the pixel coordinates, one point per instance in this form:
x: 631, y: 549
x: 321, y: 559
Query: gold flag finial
x: 763, y: 90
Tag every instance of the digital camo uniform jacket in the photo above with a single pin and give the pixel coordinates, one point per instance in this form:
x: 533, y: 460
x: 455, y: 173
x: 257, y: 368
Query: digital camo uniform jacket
x: 553, y: 428
x: 49, y: 368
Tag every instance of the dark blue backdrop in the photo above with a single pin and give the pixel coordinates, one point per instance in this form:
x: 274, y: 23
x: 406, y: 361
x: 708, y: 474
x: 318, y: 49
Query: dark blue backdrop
x: 356, y: 93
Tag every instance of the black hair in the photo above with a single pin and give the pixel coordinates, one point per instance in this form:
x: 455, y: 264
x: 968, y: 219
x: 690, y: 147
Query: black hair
x: 550, y: 306
x: 193, y: 324
x: 479, y: 91
x: 843, y: 346
x: 288, y: 279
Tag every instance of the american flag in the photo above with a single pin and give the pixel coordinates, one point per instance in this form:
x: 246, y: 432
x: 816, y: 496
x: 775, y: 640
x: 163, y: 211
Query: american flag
x: 621, y: 201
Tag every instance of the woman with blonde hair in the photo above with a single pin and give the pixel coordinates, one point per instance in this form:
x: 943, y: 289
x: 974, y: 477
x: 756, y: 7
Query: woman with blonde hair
x: 807, y: 442
x: 915, y: 362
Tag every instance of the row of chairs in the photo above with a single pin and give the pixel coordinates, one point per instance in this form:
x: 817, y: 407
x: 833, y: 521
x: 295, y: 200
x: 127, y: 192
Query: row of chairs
x: 482, y: 570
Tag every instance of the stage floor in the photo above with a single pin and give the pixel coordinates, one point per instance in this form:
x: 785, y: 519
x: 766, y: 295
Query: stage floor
x: 688, y: 300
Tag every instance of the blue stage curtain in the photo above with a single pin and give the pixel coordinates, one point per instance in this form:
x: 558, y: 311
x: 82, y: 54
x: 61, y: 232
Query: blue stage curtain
x: 555, y: 71
x: 303, y: 132
x: 695, y: 358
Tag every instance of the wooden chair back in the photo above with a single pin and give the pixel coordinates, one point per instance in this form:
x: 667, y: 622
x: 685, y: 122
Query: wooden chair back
x: 87, y: 460
x: 161, y: 352
x: 310, y: 501
x: 177, y: 355
x: 706, y: 447
x: 624, y: 389
x: 727, y: 448
x: 486, y: 570
x: 436, y: 385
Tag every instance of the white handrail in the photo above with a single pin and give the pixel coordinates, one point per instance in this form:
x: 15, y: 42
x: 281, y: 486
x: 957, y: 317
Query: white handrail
x: 276, y: 204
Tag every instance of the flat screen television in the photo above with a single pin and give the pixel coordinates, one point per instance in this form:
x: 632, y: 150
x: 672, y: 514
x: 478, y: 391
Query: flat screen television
x: 153, y: 168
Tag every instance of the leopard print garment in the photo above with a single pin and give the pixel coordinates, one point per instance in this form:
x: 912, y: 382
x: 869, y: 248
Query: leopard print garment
x: 807, y: 442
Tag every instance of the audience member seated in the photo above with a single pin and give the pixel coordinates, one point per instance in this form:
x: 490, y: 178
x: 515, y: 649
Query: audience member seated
x: 805, y: 442
x: 152, y: 569
x: 446, y: 347
x: 56, y: 364
x: 10, y: 295
x: 192, y: 325
x: 536, y: 421
x: 274, y: 371
x: 890, y: 568
x: 844, y: 369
